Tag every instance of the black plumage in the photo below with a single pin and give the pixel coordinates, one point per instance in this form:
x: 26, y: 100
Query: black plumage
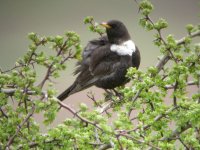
x: 105, y: 60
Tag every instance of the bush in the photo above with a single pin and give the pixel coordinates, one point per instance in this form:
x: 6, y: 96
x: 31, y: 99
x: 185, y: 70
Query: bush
x: 156, y: 125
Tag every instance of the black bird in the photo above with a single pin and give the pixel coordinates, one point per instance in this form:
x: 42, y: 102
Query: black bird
x: 105, y: 60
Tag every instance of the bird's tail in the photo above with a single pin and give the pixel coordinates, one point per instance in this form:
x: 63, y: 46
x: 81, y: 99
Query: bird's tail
x: 76, y: 87
x: 67, y: 92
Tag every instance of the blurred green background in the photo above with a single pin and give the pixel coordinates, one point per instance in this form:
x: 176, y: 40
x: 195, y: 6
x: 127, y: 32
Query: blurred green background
x: 48, y: 17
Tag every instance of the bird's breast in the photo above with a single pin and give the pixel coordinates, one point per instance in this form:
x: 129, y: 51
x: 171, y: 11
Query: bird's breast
x: 126, y: 48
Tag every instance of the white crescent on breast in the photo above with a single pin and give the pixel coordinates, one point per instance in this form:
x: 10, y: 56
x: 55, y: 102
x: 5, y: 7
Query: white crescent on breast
x: 126, y: 48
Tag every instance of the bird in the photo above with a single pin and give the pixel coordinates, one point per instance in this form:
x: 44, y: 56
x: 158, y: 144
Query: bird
x: 105, y: 60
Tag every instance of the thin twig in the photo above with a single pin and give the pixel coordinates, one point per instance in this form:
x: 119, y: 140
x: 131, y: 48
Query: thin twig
x: 189, y: 83
x: 118, y: 140
x: 198, y: 86
x: 136, y: 95
x: 187, y: 148
x: 174, y: 97
x: 49, y: 70
x: 3, y: 113
x: 18, y: 66
x: 91, y: 96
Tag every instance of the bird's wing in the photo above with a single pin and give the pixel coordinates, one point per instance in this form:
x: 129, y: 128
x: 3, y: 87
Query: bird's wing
x: 92, y: 46
x: 136, y: 58
x: 86, y: 72
x: 98, y: 60
x: 103, y: 61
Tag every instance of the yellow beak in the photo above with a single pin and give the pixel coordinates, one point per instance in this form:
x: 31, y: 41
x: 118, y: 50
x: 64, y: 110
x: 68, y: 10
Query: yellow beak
x: 104, y: 24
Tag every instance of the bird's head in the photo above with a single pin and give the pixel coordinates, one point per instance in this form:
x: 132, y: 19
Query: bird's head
x: 116, y: 31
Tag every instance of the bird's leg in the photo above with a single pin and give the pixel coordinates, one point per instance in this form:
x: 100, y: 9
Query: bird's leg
x: 118, y: 94
x: 107, y: 91
x: 113, y: 92
x: 108, y: 94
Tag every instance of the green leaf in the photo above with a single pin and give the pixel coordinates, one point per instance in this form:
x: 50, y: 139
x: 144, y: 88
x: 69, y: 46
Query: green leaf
x: 189, y: 28
x: 171, y: 43
x: 59, y: 40
x: 83, y: 107
x: 32, y: 36
x: 88, y: 19
x: 145, y: 7
x: 161, y: 24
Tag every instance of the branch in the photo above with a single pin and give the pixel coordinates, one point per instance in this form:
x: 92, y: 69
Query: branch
x: 77, y: 115
x: 18, y: 66
x: 162, y: 62
x: 174, y: 97
x: 187, y: 148
x: 42, y: 42
x: 137, y: 95
x: 120, y: 144
x: 50, y: 68
x: 31, y: 145
x: 90, y: 95
x: 11, y: 139
x: 198, y: 86
x: 192, y: 35
x: 104, y: 107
